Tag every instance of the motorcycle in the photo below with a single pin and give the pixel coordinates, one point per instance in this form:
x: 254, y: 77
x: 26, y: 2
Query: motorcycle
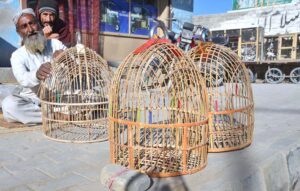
x: 165, y: 32
x: 185, y: 40
x: 188, y: 37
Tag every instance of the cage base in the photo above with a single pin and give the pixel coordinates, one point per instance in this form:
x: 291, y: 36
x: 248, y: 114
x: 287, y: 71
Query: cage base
x: 229, y: 140
x: 164, y: 163
x: 74, y: 133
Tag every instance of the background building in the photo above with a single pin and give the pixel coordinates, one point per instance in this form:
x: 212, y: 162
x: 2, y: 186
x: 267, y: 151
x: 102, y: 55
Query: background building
x: 181, y: 11
x: 246, y: 4
x: 264, y: 33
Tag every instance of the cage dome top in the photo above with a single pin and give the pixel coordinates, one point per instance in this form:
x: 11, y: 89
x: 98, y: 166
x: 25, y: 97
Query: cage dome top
x: 158, y: 77
x: 158, y: 112
x: 74, y: 98
x: 218, y: 64
x: 79, y: 75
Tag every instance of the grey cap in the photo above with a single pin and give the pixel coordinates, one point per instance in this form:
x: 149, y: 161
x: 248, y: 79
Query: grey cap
x: 22, y: 12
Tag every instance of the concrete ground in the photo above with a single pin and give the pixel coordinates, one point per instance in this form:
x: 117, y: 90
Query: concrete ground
x: 30, y: 161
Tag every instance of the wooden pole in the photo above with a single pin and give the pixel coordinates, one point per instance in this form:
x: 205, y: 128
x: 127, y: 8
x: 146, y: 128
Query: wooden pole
x: 71, y: 20
x: 96, y: 24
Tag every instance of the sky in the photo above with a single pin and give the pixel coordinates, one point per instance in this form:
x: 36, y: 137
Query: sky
x: 7, y: 28
x: 205, y: 7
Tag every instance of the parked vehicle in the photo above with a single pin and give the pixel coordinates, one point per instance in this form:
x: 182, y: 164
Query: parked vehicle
x: 201, y: 33
x: 189, y: 35
x: 272, y: 58
x: 185, y: 40
x: 161, y: 31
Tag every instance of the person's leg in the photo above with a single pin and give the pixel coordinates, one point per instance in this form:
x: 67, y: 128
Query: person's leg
x: 18, y: 109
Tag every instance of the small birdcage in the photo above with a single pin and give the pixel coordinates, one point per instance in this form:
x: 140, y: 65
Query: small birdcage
x: 158, y: 115
x: 230, y: 97
x: 74, y: 98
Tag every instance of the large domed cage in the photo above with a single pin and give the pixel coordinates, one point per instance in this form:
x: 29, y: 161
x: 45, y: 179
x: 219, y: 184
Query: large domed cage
x: 229, y: 96
x: 74, y: 98
x: 158, y: 115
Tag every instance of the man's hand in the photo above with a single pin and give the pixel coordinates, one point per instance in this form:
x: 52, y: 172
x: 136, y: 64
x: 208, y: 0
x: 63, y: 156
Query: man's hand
x: 44, y: 71
x: 53, y: 36
x: 57, y: 53
x: 47, y: 30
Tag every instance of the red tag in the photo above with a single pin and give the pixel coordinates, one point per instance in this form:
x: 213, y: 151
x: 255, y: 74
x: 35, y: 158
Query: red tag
x: 216, y: 106
x: 148, y: 44
x: 179, y: 104
x: 151, y: 42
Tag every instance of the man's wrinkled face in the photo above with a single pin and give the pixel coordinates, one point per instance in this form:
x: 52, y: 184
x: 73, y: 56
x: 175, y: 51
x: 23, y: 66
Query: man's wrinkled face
x: 47, y: 18
x: 27, y: 26
x: 30, y: 31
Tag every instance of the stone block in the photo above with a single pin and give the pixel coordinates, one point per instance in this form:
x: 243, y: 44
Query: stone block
x: 293, y: 161
x: 118, y: 178
x: 275, y: 173
x: 253, y: 182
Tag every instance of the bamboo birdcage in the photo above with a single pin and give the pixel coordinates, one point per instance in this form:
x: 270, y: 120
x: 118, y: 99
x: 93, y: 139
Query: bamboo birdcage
x: 74, y: 98
x: 158, y: 112
x: 231, y: 114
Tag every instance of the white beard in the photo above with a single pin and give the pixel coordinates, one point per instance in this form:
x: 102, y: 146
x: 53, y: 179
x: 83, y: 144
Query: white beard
x: 35, y: 43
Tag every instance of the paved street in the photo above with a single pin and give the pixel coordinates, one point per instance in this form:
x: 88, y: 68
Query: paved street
x: 29, y: 161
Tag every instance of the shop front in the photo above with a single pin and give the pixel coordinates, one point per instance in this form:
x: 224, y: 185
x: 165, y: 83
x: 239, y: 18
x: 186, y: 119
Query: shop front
x: 112, y: 28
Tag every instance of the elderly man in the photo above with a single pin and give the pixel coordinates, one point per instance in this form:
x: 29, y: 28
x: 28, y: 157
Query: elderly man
x: 53, y: 26
x: 30, y: 64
